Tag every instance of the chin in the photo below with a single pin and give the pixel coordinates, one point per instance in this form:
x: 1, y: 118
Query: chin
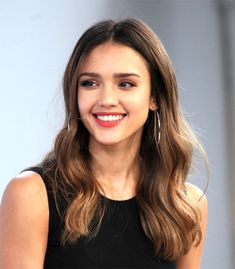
x: 109, y: 142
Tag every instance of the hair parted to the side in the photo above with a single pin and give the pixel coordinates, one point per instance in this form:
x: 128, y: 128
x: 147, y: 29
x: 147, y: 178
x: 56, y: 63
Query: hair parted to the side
x: 169, y: 218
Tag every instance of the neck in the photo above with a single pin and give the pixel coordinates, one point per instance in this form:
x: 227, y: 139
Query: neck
x: 116, y: 169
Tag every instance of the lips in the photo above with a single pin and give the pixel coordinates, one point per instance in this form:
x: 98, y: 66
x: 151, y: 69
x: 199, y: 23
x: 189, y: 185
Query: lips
x: 108, y: 119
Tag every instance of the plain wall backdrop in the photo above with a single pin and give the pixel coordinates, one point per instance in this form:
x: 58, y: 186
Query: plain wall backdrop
x: 36, y: 40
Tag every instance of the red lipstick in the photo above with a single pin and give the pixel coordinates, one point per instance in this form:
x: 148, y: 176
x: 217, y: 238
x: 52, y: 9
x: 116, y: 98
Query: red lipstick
x: 108, y: 119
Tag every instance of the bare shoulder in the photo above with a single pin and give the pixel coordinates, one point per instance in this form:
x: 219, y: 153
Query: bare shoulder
x: 25, y: 201
x: 196, y: 195
x: 24, y: 217
x: 193, y: 258
x: 26, y: 191
x: 26, y: 185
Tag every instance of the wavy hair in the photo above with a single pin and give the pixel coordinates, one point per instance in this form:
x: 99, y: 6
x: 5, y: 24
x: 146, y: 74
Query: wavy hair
x: 168, y: 216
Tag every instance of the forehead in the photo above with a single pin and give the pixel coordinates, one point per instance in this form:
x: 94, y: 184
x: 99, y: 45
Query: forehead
x: 114, y: 56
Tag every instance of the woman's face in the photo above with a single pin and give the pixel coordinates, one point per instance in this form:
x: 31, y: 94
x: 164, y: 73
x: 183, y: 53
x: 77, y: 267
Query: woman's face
x: 114, y: 94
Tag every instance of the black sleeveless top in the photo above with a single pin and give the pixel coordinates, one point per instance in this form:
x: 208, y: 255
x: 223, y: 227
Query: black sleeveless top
x: 120, y: 242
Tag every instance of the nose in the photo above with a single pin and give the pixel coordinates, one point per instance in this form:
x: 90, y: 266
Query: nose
x: 108, y: 97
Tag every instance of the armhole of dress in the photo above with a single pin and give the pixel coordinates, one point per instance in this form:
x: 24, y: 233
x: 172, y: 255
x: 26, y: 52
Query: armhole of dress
x: 50, y: 197
x: 55, y: 221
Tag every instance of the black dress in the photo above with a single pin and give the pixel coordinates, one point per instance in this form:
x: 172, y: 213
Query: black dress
x: 120, y: 242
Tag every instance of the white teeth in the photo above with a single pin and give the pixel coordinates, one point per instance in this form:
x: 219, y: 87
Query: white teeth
x: 110, y: 117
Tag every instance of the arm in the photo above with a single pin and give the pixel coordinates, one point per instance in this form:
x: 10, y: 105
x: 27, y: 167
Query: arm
x: 193, y: 258
x: 24, y: 218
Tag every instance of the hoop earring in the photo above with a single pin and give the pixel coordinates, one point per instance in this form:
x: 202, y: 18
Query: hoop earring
x: 157, y: 126
x: 69, y: 122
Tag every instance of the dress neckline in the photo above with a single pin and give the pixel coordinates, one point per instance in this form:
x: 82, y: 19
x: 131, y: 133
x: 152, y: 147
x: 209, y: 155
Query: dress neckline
x: 113, y: 201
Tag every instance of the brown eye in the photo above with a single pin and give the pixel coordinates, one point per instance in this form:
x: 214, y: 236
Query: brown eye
x: 88, y: 83
x: 126, y: 84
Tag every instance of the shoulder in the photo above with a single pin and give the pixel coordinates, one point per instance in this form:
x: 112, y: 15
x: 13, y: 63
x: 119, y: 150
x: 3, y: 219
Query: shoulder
x: 26, y: 186
x: 27, y: 179
x: 196, y: 195
x: 26, y: 195
x: 24, y: 217
x: 193, y: 258
x: 199, y: 200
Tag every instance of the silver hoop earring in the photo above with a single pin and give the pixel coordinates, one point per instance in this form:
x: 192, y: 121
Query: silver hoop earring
x: 157, y: 126
x: 68, y: 122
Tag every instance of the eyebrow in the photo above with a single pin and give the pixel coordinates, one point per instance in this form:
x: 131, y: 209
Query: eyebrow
x: 116, y: 75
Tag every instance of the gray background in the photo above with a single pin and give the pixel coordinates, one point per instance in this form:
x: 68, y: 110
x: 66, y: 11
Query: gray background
x: 36, y: 39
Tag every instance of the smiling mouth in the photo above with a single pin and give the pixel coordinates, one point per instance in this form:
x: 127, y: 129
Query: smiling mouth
x: 108, y: 120
x: 110, y: 117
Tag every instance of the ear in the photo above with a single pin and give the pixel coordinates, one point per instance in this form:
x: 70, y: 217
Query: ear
x: 152, y: 105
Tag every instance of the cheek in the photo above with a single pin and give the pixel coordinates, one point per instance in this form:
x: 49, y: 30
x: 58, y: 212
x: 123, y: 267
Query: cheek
x: 82, y: 105
x: 81, y: 108
x: 139, y: 103
x: 86, y: 101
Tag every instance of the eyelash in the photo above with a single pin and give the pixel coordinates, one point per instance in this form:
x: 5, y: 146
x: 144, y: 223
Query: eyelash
x: 88, y: 83
x: 131, y: 84
x: 91, y: 84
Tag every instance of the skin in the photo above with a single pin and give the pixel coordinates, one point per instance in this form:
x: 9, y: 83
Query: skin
x: 24, y: 213
x: 192, y: 259
x: 104, y: 86
x: 24, y: 216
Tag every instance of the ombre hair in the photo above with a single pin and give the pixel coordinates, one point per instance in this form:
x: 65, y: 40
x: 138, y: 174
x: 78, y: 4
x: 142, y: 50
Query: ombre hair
x: 168, y: 216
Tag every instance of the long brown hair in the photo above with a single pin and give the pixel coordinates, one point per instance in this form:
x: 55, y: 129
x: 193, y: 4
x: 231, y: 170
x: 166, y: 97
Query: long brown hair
x: 169, y: 218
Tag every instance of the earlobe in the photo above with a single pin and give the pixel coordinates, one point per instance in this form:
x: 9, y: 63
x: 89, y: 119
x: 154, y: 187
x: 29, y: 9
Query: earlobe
x: 152, y: 105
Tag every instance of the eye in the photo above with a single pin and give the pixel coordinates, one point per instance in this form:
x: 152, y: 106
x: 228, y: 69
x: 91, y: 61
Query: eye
x: 88, y: 83
x: 126, y: 84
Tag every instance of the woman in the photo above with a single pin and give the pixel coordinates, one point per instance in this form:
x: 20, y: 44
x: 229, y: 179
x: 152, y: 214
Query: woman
x: 112, y: 193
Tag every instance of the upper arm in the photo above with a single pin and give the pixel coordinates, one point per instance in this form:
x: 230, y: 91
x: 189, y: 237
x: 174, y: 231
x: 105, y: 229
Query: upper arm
x: 24, y: 218
x: 193, y: 258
